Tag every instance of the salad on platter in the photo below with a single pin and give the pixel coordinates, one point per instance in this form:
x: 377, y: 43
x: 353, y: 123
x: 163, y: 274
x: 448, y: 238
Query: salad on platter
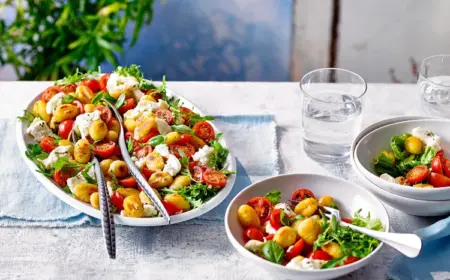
x: 176, y: 149
x: 299, y: 236
x: 416, y: 159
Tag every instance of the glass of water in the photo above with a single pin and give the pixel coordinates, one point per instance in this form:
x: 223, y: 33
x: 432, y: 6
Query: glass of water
x: 434, y: 83
x: 333, y: 101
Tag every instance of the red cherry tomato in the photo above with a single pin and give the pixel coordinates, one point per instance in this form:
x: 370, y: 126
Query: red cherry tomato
x: 48, y: 144
x: 347, y: 220
x: 105, y: 113
x: 129, y: 104
x: 49, y: 92
x: 146, y: 172
x: 92, y: 84
x: 262, y: 206
x: 440, y: 153
x: 103, y: 81
x: 254, y: 234
x: 185, y: 138
x: 214, y: 178
x: 171, y: 208
x: 301, y: 194
x: 117, y: 200
x: 69, y: 88
x: 438, y: 180
x: 165, y: 115
x: 295, y: 250
x: 269, y: 237
x: 153, y: 132
x: 417, y: 174
x: 350, y: 259
x: 79, y: 106
x: 275, y: 220
x: 116, y: 151
x: 197, y: 173
x: 61, y: 176
x: 436, y: 165
x: 105, y: 149
x: 128, y: 182
x: 320, y: 255
x: 205, y: 131
x: 187, y: 149
x: 446, y: 166
x: 186, y: 114
x: 143, y: 152
x: 64, y: 128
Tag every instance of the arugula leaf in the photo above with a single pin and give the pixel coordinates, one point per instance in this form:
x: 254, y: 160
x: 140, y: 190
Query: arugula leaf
x: 334, y: 262
x: 120, y: 101
x: 77, y: 77
x: 398, y: 145
x: 197, y: 194
x: 68, y: 99
x: 98, y: 97
x: 63, y: 162
x: 182, y: 129
x: 36, y: 154
x: 67, y: 190
x: 385, y: 163
x: 367, y: 222
x: 272, y: 252
x: 27, y: 116
x: 130, y: 145
x: 273, y: 196
x: 85, y: 174
x: 131, y: 71
x: 217, y: 160
x: 227, y: 172
x: 284, y: 219
x: 427, y: 156
x: 195, y: 118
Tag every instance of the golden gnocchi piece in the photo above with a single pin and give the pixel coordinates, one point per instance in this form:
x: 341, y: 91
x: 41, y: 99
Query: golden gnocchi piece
x: 114, y: 126
x: 285, y: 237
x: 105, y: 164
x: 84, y: 94
x: 133, y: 206
x: 172, y: 138
x: 40, y: 110
x: 160, y: 179
x: 82, y: 151
x: 178, y: 200
x: 154, y: 161
x: 309, y: 230
x: 112, y: 136
x: 89, y: 108
x: 148, y: 97
x: 146, y: 200
x: 65, y: 112
x: 83, y: 191
x: 143, y: 127
x: 307, y: 207
x: 247, y: 216
x: 326, y: 200
x: 127, y: 191
x: 180, y: 182
x: 118, y: 168
x: 98, y: 130
x: 333, y: 249
x: 95, y: 200
x: 130, y: 124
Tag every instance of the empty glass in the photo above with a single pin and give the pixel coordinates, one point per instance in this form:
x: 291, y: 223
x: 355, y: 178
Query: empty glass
x: 332, y: 112
x: 434, y: 82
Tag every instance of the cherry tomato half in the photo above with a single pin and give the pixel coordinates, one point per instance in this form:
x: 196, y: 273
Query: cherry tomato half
x: 64, y: 128
x: 320, y: 255
x: 446, y: 166
x: 61, y: 176
x: 187, y: 149
x: 436, y: 165
x: 417, y: 174
x: 154, y: 94
x: 49, y: 92
x: 171, y: 208
x: 295, y: 250
x: 48, y: 144
x: 214, y: 178
x: 197, y: 173
x: 275, y: 220
x: 165, y: 115
x: 105, y: 149
x: 146, y: 172
x: 117, y: 200
x: 184, y: 138
x: 438, y: 180
x: 254, y: 234
x: 350, y: 259
x: 347, y: 220
x: 128, y: 182
x: 105, y: 113
x: 103, y: 81
x: 93, y: 84
x: 269, y: 237
x: 262, y: 206
x: 128, y: 105
x: 69, y: 88
x: 205, y: 131
x: 301, y: 194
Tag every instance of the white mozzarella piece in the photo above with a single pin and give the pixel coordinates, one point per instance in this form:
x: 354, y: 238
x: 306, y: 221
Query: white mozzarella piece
x: 163, y: 127
x: 119, y: 84
x: 254, y: 246
x: 150, y: 211
x: 83, y: 121
x: 429, y: 138
x: 60, y: 151
x: 163, y: 150
x: 305, y: 263
x: 39, y: 129
x: 54, y: 102
x: 172, y: 166
x: 202, y: 154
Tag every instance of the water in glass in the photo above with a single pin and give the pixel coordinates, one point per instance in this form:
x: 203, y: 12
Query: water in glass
x: 436, y: 95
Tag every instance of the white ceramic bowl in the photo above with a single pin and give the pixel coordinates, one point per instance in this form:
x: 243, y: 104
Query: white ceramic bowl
x: 23, y: 139
x: 378, y: 140
x: 348, y: 196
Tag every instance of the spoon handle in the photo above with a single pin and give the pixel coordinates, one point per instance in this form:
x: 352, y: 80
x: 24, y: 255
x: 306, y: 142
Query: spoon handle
x: 407, y: 244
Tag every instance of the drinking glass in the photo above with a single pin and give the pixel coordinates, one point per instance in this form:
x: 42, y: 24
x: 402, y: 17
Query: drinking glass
x: 333, y: 101
x: 434, y: 83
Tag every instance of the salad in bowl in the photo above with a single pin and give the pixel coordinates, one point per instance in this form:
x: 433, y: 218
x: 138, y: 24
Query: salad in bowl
x: 177, y: 149
x: 416, y: 159
x: 299, y: 236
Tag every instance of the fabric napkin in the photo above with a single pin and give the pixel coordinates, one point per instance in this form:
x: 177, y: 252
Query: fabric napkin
x: 433, y: 263
x: 25, y: 202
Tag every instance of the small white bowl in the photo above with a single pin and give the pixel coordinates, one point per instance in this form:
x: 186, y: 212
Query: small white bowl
x: 372, y: 144
x: 348, y: 196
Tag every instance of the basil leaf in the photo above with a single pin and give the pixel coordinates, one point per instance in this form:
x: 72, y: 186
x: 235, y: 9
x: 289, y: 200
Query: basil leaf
x: 130, y: 145
x: 27, y: 116
x: 273, y: 196
x: 398, y: 145
x: 120, y: 101
x: 284, y: 219
x: 98, y: 97
x: 332, y: 263
x: 195, y: 118
x: 272, y: 252
x: 298, y: 217
x: 182, y: 129
x: 156, y: 140
x: 109, y: 98
x: 67, y: 190
x: 86, y: 176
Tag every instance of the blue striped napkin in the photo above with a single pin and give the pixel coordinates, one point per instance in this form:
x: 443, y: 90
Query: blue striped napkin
x: 25, y: 202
